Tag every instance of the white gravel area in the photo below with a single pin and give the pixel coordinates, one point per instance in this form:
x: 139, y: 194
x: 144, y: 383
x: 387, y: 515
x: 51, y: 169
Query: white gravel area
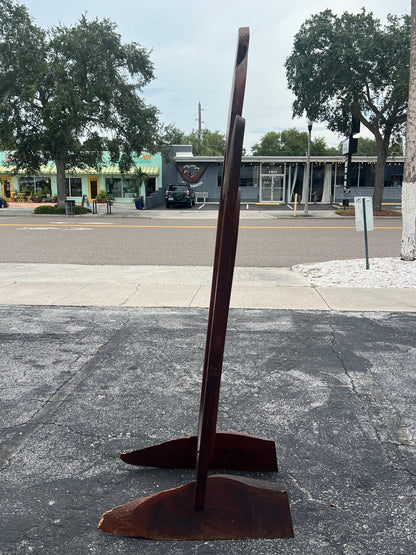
x: 383, y: 272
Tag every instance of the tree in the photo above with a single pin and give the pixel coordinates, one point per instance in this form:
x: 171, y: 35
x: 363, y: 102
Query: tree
x: 172, y: 136
x: 290, y: 142
x: 368, y: 147
x: 352, y: 65
x: 409, y: 177
x: 69, y: 89
x: 210, y: 143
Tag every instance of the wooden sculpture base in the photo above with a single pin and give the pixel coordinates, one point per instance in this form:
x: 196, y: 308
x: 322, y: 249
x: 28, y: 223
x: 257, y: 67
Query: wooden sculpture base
x: 232, y: 451
x: 235, y: 508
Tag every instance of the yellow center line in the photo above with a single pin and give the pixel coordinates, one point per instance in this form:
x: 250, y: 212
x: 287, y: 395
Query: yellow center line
x: 121, y: 226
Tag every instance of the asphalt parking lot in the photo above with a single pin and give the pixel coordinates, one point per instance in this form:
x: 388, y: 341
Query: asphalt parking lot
x: 336, y: 391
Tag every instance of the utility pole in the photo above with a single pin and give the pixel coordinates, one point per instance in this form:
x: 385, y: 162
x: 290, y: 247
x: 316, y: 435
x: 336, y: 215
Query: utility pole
x: 199, y: 121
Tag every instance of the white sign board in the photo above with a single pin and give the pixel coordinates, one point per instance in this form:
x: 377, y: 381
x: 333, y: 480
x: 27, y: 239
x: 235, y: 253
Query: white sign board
x: 360, y: 203
x: 345, y: 146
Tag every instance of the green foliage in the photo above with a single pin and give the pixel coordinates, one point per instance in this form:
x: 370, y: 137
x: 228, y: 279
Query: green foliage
x: 58, y: 209
x: 101, y: 196
x: 211, y: 143
x: 171, y: 135
x: 368, y: 147
x: 396, y: 148
x: 5, y: 204
x: 68, y: 83
x: 291, y: 142
x: 351, y: 64
x: 139, y: 178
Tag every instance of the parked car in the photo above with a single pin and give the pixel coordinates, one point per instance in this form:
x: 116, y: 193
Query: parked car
x: 181, y: 194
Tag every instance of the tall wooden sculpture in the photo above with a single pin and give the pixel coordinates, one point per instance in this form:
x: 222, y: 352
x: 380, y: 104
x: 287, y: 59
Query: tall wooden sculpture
x: 218, y: 506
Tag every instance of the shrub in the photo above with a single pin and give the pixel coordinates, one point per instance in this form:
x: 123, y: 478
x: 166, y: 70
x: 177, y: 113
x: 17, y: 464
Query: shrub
x: 82, y: 210
x: 48, y: 210
x: 59, y: 210
x: 102, y: 195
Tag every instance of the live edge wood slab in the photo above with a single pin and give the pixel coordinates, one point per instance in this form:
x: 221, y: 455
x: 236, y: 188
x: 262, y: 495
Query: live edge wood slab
x: 232, y: 451
x: 235, y: 508
x: 218, y: 506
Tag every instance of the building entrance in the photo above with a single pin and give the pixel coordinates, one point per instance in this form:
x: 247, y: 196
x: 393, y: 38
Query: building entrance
x: 93, y: 187
x: 272, y: 188
x: 6, y: 187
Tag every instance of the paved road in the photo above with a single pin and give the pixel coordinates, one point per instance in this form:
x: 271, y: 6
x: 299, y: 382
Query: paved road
x: 188, y: 240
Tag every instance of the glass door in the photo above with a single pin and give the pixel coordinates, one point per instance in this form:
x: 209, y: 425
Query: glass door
x: 272, y: 188
x: 266, y: 188
x: 6, y: 187
x: 278, y: 188
x: 93, y: 187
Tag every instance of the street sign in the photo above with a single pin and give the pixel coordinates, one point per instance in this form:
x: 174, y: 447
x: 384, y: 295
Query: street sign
x: 359, y: 213
x: 345, y: 146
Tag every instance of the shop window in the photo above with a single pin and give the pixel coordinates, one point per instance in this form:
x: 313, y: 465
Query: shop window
x: 393, y: 176
x: 249, y: 175
x: 73, y: 187
x: 36, y: 185
x: 120, y: 188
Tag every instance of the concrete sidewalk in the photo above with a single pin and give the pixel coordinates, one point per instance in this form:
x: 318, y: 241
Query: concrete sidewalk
x: 208, y: 211
x: 186, y: 287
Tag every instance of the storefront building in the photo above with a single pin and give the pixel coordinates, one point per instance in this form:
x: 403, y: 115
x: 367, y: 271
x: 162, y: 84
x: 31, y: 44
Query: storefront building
x: 272, y: 179
x: 263, y: 179
x: 82, y: 182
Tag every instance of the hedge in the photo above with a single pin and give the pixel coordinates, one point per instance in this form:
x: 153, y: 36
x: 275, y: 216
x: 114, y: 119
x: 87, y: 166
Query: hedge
x: 48, y: 209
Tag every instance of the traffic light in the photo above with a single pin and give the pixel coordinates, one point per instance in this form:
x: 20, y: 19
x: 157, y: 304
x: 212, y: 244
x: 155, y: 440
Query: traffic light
x: 355, y: 125
x: 350, y: 145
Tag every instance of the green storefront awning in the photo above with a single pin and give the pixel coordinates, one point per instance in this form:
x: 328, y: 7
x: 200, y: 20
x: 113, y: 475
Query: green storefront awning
x: 113, y: 170
x: 106, y: 170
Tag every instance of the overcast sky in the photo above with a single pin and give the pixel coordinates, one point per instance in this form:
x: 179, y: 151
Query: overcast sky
x: 193, y: 47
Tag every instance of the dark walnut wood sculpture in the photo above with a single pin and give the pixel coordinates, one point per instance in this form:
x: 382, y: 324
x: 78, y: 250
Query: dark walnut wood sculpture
x: 218, y: 506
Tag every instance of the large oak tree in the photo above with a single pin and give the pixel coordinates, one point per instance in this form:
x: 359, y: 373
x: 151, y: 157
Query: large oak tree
x: 68, y: 93
x: 353, y: 65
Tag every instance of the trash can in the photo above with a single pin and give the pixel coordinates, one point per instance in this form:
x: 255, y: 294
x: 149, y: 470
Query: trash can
x: 70, y: 207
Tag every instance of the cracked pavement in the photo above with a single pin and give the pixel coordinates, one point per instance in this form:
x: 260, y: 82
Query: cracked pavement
x: 336, y: 391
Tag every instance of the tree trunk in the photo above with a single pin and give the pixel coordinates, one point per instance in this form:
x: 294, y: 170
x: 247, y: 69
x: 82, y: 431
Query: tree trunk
x: 60, y: 180
x: 409, y: 177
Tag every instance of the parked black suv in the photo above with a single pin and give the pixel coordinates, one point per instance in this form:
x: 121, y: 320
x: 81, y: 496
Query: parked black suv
x: 180, y: 194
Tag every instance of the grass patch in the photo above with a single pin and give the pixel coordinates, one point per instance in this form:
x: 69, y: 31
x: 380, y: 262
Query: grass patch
x: 351, y: 212
x: 48, y: 209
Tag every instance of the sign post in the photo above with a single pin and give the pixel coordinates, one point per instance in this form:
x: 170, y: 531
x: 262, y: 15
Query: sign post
x: 364, y: 220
